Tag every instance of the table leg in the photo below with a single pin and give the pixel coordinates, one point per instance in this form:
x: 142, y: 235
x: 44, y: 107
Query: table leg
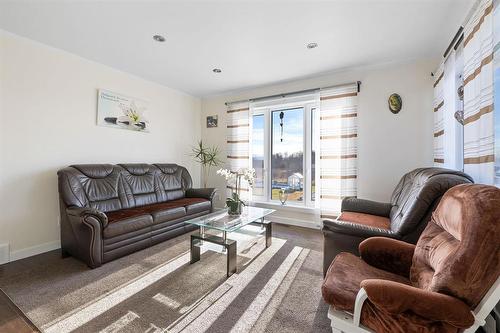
x: 202, y: 234
x: 224, y: 238
x: 231, y: 258
x: 195, y: 250
x: 269, y: 234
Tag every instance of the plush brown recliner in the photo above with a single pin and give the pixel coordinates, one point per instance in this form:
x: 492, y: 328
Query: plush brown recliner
x: 430, y: 287
x: 404, y: 217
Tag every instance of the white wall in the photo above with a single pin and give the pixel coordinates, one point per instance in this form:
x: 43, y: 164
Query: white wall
x: 389, y: 145
x: 48, y: 101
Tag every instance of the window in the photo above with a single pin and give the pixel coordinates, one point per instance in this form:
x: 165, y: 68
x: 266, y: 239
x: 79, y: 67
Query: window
x: 314, y: 144
x: 258, y: 154
x: 287, y: 154
x: 283, y: 143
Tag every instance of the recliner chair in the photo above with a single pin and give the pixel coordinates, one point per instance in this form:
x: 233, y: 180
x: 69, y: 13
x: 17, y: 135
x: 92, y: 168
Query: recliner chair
x: 404, y: 218
x: 448, y: 282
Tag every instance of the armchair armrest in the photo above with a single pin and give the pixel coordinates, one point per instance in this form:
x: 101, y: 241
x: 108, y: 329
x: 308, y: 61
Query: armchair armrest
x: 396, y: 298
x: 205, y: 193
x: 366, y: 206
x: 388, y: 254
x: 84, y: 212
x: 355, y: 229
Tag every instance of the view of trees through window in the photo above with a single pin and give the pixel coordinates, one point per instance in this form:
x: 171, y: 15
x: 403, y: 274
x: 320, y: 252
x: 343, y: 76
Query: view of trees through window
x: 287, y: 153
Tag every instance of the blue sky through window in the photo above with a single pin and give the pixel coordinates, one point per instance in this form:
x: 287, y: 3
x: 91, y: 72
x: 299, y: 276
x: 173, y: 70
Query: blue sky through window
x: 293, y: 131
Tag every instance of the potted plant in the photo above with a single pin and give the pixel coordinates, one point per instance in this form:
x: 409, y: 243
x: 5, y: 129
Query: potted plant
x: 234, y: 203
x: 207, y: 157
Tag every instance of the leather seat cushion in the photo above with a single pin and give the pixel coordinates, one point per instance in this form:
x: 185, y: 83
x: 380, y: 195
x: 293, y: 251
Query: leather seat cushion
x: 198, y: 207
x: 343, y: 279
x: 128, y: 224
x: 174, y: 209
x: 163, y: 211
x: 373, y: 221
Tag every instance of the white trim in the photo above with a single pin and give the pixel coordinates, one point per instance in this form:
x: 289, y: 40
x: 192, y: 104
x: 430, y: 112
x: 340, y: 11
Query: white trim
x: 345, y: 322
x: 288, y: 207
x: 294, y: 222
x: 484, y: 307
x: 34, y: 250
x: 361, y: 297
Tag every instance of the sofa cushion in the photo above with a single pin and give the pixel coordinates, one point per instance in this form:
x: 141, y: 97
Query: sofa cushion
x: 198, y: 207
x: 125, y: 224
x: 366, y: 219
x: 343, y: 279
x: 163, y: 211
x: 170, y: 214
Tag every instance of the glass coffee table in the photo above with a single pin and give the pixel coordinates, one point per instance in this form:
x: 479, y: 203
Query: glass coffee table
x: 222, y: 221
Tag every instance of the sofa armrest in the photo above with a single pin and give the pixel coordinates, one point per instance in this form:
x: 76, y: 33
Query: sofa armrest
x: 205, y: 193
x: 83, y: 212
x: 83, y: 235
x: 355, y: 229
x: 396, y: 298
x: 388, y: 254
x: 366, y: 206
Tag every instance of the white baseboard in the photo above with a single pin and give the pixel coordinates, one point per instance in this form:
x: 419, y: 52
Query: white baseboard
x: 295, y: 222
x: 34, y: 250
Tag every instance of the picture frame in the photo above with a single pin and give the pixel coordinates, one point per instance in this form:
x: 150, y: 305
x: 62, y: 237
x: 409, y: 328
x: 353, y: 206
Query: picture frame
x: 121, y: 111
x: 212, y: 121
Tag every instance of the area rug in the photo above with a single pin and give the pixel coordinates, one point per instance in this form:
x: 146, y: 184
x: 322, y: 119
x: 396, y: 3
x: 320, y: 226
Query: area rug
x: 157, y: 290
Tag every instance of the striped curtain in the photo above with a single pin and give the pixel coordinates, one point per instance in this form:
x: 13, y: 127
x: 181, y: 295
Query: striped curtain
x: 238, y: 142
x: 478, y: 95
x: 338, y: 147
x: 439, y: 117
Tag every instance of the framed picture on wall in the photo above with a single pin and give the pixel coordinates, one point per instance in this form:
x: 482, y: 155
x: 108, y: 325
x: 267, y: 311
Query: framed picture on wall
x: 120, y: 111
x: 212, y: 121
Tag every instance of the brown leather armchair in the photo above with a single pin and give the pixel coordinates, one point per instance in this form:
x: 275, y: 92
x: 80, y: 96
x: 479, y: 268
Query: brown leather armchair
x: 442, y: 284
x: 404, y: 217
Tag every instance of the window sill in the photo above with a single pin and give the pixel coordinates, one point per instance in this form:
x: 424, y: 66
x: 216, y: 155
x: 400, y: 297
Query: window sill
x: 289, y: 207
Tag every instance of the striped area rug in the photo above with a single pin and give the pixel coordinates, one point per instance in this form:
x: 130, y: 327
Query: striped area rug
x: 156, y: 290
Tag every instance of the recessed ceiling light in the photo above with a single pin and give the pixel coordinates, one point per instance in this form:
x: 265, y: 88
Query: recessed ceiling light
x: 159, y: 38
x: 216, y: 70
x: 312, y: 45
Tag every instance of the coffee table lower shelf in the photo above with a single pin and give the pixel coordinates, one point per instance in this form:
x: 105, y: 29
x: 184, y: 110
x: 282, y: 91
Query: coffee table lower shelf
x: 229, y: 245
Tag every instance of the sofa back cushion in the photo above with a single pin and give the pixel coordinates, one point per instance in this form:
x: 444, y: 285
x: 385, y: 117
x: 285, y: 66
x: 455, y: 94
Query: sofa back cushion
x: 174, y: 180
x: 416, y: 193
x: 107, y: 187
x: 92, y: 185
x: 141, y: 186
x: 459, y: 251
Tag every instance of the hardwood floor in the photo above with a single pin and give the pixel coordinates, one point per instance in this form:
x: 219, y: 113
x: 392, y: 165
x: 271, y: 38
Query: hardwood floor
x: 13, y: 320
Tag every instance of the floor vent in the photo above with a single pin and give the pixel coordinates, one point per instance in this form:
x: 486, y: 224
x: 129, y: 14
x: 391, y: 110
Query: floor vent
x: 4, y: 253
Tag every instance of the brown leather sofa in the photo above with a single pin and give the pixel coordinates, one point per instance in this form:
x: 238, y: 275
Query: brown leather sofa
x: 404, y: 217
x: 430, y: 287
x: 108, y: 211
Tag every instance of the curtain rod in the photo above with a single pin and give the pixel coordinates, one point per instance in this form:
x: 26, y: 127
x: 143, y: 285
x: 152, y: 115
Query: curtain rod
x: 454, y: 44
x: 459, y: 36
x: 283, y: 95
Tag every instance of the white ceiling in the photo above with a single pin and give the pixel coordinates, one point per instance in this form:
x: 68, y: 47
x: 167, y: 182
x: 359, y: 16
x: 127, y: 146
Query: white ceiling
x: 254, y: 43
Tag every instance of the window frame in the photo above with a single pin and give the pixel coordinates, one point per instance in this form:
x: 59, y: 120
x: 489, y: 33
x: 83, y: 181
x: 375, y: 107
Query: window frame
x: 266, y: 108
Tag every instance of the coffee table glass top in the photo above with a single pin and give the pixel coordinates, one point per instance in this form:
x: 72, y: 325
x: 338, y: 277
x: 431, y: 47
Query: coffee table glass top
x: 221, y: 220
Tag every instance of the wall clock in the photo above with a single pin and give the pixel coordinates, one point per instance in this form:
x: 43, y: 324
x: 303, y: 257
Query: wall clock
x: 395, y: 103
